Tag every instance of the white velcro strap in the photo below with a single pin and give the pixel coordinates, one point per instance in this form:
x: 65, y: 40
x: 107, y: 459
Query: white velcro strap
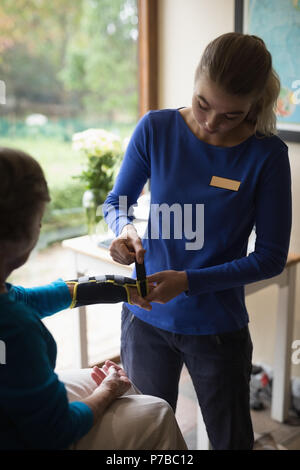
x: 119, y: 279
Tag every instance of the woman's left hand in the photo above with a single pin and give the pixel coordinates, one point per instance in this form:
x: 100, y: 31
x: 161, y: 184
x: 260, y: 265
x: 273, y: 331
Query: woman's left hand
x: 169, y: 285
x: 142, y: 302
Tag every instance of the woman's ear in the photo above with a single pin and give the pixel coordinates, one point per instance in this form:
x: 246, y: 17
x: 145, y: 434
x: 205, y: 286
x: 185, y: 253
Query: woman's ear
x: 254, y: 111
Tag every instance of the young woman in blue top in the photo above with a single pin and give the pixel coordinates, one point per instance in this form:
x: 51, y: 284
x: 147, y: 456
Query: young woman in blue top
x: 216, y: 170
x: 40, y: 409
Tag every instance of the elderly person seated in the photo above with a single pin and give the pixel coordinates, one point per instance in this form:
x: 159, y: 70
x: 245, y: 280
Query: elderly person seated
x: 39, y: 408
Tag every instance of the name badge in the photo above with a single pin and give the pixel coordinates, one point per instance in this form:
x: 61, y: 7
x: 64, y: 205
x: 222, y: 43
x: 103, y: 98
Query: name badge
x: 225, y: 183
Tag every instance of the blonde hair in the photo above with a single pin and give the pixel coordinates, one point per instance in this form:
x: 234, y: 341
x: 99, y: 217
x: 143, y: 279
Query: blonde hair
x: 241, y: 65
x: 23, y: 189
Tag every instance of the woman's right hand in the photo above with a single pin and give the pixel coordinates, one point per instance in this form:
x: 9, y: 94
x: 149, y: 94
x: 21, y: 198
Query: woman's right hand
x: 127, y: 247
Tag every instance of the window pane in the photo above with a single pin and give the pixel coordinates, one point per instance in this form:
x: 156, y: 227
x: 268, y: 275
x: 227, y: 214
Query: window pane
x: 67, y: 67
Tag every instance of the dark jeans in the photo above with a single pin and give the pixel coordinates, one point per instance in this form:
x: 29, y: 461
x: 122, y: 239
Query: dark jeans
x: 219, y: 365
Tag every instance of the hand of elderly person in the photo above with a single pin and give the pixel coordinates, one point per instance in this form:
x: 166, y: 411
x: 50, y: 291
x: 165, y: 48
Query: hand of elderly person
x: 112, y: 382
x: 115, y: 383
x: 100, y: 374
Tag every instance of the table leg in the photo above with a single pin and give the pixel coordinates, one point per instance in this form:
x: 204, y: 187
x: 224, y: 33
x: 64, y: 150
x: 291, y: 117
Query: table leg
x: 284, y: 338
x: 81, y: 342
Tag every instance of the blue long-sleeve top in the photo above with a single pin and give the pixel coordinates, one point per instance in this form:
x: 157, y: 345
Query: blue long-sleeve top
x: 180, y: 167
x: 34, y: 408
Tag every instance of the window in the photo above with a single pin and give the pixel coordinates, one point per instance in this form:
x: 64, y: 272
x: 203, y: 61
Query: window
x: 67, y: 66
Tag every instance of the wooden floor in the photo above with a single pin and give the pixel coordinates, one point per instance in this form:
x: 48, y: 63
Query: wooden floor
x: 269, y: 434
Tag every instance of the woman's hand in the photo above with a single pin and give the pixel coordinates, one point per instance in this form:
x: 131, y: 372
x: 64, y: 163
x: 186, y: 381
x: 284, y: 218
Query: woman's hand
x: 127, y: 247
x: 141, y: 301
x: 169, y: 284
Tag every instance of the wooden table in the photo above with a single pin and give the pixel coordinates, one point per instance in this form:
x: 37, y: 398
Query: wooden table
x: 91, y: 259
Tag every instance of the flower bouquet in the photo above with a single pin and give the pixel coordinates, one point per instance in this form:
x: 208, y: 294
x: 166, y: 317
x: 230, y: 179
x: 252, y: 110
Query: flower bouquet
x: 102, y: 152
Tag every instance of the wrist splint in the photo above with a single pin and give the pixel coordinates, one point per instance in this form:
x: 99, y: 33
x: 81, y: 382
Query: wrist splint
x: 105, y: 289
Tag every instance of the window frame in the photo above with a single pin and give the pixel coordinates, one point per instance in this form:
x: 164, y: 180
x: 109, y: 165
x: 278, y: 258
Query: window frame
x: 148, y: 55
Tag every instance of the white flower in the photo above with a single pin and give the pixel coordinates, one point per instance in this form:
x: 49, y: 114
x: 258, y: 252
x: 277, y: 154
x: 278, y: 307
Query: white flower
x: 96, y: 142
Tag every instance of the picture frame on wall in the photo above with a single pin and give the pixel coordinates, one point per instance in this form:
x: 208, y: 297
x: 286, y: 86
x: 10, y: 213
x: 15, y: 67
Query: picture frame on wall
x: 277, y: 22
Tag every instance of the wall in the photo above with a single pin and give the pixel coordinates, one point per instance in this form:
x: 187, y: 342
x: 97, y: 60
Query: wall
x: 185, y: 28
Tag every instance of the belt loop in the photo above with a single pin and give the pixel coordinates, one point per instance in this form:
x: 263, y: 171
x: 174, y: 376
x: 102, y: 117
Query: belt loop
x: 218, y: 339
